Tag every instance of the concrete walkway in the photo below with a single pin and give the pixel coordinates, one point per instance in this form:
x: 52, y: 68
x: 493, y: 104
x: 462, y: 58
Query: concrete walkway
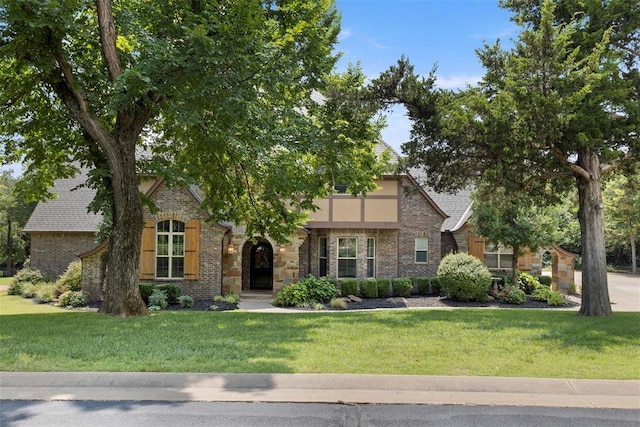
x: 320, y: 388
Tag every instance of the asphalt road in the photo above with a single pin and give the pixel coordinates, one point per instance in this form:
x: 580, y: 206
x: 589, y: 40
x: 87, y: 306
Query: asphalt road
x: 624, y: 290
x: 158, y: 414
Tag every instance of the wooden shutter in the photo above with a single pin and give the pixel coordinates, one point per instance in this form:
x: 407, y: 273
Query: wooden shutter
x: 148, y: 251
x: 476, y: 247
x: 192, y: 250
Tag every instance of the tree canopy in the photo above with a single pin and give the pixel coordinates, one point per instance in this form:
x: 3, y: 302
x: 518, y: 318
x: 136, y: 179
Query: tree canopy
x: 238, y: 96
x: 557, y: 110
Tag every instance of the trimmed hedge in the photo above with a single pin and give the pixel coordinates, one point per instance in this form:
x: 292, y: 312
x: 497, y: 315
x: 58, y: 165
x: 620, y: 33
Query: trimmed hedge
x: 173, y: 292
x: 402, y: 287
x: 349, y: 287
x: 464, y: 277
x: 369, y: 288
x: 428, y: 285
x: 545, y: 280
x: 146, y: 289
x: 384, y: 287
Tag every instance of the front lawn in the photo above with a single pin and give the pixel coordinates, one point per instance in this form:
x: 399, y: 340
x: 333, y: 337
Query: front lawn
x: 484, y: 342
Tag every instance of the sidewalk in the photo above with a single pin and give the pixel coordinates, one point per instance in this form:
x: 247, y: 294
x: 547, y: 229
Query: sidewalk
x: 320, y: 388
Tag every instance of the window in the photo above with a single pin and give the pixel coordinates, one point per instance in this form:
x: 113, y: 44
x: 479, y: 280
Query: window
x: 497, y: 256
x: 340, y: 188
x: 322, y: 256
x: 422, y: 247
x: 371, y: 257
x: 170, y: 249
x: 347, y: 256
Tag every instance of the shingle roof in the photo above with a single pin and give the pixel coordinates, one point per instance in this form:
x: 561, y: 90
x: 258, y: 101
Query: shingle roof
x: 68, y: 211
x: 457, y: 206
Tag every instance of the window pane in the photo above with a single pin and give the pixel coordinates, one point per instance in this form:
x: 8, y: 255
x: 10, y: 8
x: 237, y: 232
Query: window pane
x: 322, y: 247
x: 491, y: 260
x: 323, y: 267
x: 163, y: 244
x: 162, y: 267
x: 346, y: 268
x: 178, y: 245
x: 177, y: 267
x: 340, y: 188
x: 178, y: 227
x: 421, y: 243
x: 506, y: 260
x: 163, y: 226
x: 371, y: 268
x: 421, y: 256
x: 371, y: 248
x: 347, y: 247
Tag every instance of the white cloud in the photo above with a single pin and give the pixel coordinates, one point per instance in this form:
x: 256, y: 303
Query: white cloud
x: 345, y: 33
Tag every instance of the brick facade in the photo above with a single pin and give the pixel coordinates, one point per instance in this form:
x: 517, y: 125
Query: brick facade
x: 53, y: 252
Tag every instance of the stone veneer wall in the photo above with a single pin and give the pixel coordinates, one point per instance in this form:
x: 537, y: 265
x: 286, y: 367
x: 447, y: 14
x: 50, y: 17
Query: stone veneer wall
x: 94, y: 273
x: 53, y: 252
x: 418, y: 219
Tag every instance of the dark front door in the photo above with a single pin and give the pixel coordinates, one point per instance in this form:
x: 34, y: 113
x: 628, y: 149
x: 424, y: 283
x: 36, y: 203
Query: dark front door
x: 262, y: 266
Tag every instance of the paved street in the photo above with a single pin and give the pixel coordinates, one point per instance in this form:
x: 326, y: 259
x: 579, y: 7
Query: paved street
x: 624, y: 291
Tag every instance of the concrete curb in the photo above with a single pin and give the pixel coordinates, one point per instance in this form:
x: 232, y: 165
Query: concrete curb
x: 320, y: 388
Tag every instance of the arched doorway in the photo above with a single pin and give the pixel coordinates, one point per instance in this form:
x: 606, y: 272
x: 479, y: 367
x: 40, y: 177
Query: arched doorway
x: 261, y: 266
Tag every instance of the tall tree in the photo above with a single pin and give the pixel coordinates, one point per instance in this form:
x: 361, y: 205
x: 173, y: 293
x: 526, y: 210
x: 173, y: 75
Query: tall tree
x: 14, y: 213
x: 550, y: 113
x: 221, y: 93
x: 513, y: 221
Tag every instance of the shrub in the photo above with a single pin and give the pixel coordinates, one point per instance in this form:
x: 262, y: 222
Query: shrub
x: 527, y: 283
x: 556, y: 298
x: 573, y: 289
x: 185, y: 301
x: 24, y: 276
x: 428, y: 285
x: 145, y: 291
x: 338, y: 303
x: 73, y: 299
x: 464, y: 277
x: 172, y: 291
x: 513, y: 296
x: 369, y: 288
x: 159, y: 298
x: 402, y: 287
x: 349, y: 287
x: 545, y: 280
x: 71, y: 279
x: 320, y: 290
x: 45, y: 293
x: 29, y: 290
x: 541, y: 294
x: 384, y: 287
x: 230, y: 298
x: 307, y: 292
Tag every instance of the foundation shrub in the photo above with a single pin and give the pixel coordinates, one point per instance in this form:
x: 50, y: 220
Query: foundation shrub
x: 146, y: 289
x: 73, y: 299
x: 464, y: 277
x: 527, y: 283
x: 402, y: 287
x: 24, y: 276
x: 185, y: 301
x: 45, y: 293
x: 349, y: 287
x: 384, y: 287
x: 338, y: 303
x: 545, y: 280
x: 71, y: 279
x: 428, y: 285
x: 29, y: 290
x: 513, y: 296
x: 369, y: 288
x: 541, y: 294
x: 307, y: 292
x: 172, y: 291
x: 158, y: 298
x: 230, y: 298
x: 556, y: 298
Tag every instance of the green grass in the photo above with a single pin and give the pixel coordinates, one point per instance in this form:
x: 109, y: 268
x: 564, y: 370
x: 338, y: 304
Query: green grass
x: 485, y: 342
x: 5, y: 281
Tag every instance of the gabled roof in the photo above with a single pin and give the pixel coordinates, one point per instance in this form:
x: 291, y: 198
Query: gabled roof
x: 68, y: 211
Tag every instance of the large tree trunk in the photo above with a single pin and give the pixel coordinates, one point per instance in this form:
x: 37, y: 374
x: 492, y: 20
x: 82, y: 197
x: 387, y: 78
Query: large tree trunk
x: 595, y: 292
x: 122, y: 294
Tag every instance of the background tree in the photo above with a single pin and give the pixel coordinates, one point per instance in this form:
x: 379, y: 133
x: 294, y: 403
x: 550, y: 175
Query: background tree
x: 14, y: 213
x: 219, y: 93
x: 513, y: 221
x: 622, y: 210
x: 556, y: 111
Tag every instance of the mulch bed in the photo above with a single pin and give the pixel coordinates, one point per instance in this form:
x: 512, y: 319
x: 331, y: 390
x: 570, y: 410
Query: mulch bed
x: 414, y: 301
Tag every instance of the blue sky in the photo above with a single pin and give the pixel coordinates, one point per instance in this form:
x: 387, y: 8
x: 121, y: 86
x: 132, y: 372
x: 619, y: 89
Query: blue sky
x: 445, y: 33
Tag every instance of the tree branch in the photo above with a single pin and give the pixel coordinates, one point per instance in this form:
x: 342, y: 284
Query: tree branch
x: 108, y: 38
x: 577, y: 170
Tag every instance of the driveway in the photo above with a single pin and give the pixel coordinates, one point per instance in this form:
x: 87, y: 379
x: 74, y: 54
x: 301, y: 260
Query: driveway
x: 624, y: 290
